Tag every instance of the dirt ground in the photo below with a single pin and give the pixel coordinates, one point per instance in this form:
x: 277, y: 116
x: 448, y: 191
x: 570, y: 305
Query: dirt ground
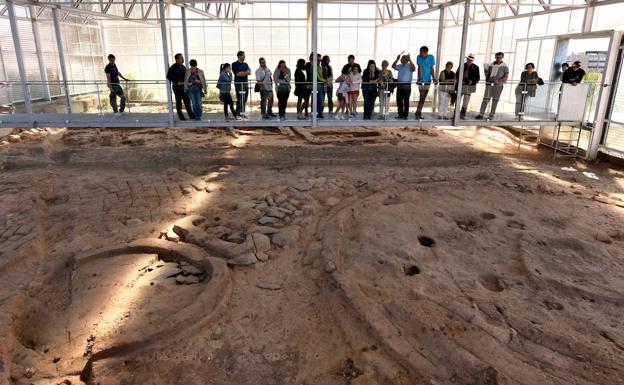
x: 207, y: 256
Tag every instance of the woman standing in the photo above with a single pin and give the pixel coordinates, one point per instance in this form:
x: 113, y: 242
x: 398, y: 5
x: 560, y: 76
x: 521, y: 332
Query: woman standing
x: 386, y: 78
x: 446, y: 89
x: 354, y: 81
x: 195, y: 87
x: 301, y: 89
x: 526, y: 88
x: 225, y: 87
x: 281, y: 76
x: 370, y: 81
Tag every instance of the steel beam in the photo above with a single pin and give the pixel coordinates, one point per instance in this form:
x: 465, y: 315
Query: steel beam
x: 462, y: 62
x: 19, y: 56
x: 588, y: 18
x: 314, y: 62
x: 37, y: 40
x: 184, y: 33
x: 61, y: 53
x: 165, y: 46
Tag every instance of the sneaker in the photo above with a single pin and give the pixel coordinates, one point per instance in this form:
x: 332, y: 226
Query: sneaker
x: 265, y: 117
x: 272, y: 115
x: 238, y: 118
x: 479, y: 116
x: 320, y: 116
x: 491, y: 117
x: 182, y: 118
x: 418, y: 116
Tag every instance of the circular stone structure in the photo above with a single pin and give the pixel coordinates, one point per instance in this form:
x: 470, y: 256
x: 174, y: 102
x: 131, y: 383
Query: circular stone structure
x: 113, y: 302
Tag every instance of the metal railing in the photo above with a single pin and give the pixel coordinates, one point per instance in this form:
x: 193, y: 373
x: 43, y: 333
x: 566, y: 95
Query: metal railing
x: 146, y: 104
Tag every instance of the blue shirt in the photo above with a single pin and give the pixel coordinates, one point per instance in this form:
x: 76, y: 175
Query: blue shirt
x: 425, y: 63
x: 238, y: 67
x: 405, y: 73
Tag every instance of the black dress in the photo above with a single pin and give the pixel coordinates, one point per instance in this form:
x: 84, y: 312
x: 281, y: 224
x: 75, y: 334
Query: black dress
x: 301, y: 88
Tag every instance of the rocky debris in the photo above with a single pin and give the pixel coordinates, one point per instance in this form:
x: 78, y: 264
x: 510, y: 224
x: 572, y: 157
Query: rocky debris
x: 264, y: 230
x: 262, y: 206
x: 615, y: 234
x: 281, y: 198
x: 185, y: 190
x: 243, y: 259
x: 130, y: 141
x: 169, y: 235
x: 188, y: 229
x: 236, y: 237
x: 349, y: 371
x: 262, y: 243
x: 286, y: 236
x: 133, y: 222
x: 168, y: 270
x: 487, y: 376
x: 245, y: 205
x: 313, y: 253
x: 301, y: 187
x: 186, y: 279
x: 269, y: 286
x: 270, y: 201
x: 262, y: 257
x: 332, y: 201
x: 267, y: 220
x: 317, y: 182
x: 275, y: 213
x: 188, y: 269
x: 603, y: 236
x: 329, y: 267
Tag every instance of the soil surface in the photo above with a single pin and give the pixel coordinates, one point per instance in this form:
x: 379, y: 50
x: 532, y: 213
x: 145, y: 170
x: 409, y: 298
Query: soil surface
x: 391, y: 256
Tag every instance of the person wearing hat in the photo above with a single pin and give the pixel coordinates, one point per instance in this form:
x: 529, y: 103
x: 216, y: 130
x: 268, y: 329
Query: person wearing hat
x: 573, y: 75
x: 496, y: 75
x: 469, y: 83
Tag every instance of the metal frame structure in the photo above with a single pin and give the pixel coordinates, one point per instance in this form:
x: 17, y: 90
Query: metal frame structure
x: 387, y: 12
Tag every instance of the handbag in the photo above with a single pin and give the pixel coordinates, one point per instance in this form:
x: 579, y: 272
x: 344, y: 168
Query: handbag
x: 260, y: 86
x: 540, y: 81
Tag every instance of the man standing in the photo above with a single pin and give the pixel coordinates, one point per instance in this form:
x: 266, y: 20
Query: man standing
x: 328, y: 73
x: 469, y: 86
x: 496, y: 75
x: 112, y: 80
x: 573, y: 75
x: 176, y: 75
x: 350, y: 63
x: 321, y: 83
x: 241, y: 72
x: 404, y: 83
x: 426, y: 74
x: 264, y: 82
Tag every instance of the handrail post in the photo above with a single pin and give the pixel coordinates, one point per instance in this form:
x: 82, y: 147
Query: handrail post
x: 462, y: 55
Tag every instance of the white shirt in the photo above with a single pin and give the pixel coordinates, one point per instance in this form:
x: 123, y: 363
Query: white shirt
x: 264, y: 76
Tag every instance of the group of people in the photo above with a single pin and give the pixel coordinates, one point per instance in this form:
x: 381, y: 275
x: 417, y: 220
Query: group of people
x: 189, y: 86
